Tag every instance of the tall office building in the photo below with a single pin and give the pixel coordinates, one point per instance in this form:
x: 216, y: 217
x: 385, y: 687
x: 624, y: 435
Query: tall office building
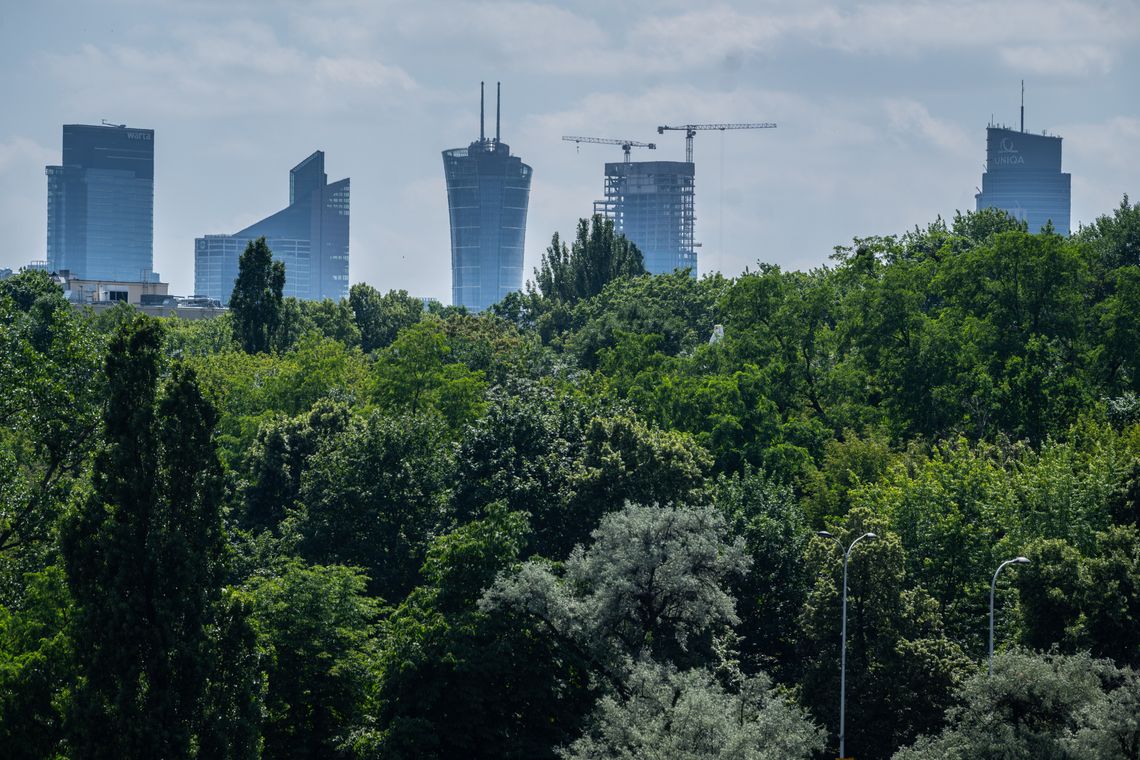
x: 310, y: 236
x: 488, y: 191
x: 651, y: 203
x: 101, y: 204
x: 1023, y: 177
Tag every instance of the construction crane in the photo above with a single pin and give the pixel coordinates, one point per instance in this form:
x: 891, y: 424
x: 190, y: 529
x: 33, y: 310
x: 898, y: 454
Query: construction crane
x: 626, y: 145
x: 691, y: 130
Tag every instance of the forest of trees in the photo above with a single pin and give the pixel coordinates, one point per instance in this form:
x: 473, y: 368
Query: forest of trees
x: 584, y: 523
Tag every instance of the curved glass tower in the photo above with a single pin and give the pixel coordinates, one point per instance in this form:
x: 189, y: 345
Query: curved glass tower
x: 488, y: 191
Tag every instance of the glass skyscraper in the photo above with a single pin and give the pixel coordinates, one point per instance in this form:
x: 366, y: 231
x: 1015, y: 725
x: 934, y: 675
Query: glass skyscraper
x: 101, y: 204
x: 488, y: 191
x: 651, y: 203
x: 1023, y: 177
x: 310, y: 236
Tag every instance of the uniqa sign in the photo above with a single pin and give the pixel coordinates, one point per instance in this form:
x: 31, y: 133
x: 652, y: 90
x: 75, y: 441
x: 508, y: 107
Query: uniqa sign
x: 1007, y: 154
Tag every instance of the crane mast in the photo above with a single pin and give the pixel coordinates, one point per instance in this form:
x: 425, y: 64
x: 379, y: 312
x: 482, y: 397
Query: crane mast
x: 691, y: 130
x: 626, y: 145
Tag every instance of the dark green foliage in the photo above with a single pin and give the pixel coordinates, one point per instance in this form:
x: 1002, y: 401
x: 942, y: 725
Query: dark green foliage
x: 770, y: 595
x: 49, y: 410
x: 327, y: 318
x: 141, y: 555
x: 379, y: 318
x: 278, y: 459
x: 234, y: 697
x: 37, y: 669
x: 457, y: 682
x: 317, y: 627
x: 1077, y: 602
x: 27, y: 287
x: 581, y: 525
x: 597, y: 256
x: 256, y: 305
x: 1040, y: 707
x: 902, y: 670
x: 374, y: 497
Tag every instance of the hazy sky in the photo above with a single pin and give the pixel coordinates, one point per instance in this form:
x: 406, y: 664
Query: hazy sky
x: 881, y: 107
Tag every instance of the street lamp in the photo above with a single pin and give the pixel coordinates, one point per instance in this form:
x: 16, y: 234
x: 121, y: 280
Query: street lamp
x: 843, y: 640
x: 993, y: 587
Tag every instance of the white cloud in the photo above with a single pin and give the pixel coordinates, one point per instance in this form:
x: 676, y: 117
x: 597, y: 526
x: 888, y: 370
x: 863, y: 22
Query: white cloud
x: 1059, y: 60
x: 909, y: 117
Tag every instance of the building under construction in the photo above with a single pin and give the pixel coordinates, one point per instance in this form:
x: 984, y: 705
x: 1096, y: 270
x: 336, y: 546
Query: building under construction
x: 651, y: 203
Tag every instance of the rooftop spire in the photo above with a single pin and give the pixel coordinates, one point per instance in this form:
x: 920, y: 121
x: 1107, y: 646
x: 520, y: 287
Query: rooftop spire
x: 498, y: 107
x: 481, y: 138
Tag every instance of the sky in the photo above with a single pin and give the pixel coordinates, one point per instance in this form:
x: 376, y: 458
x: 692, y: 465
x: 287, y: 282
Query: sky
x: 881, y: 110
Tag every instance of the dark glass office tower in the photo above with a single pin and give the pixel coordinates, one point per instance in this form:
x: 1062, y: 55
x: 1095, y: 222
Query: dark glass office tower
x: 488, y: 191
x: 651, y: 203
x: 310, y: 236
x: 101, y: 204
x: 1023, y: 177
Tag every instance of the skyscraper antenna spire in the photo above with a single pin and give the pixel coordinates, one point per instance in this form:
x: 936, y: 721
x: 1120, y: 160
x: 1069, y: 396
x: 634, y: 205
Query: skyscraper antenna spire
x: 1022, y: 105
x: 481, y: 137
x: 498, y: 107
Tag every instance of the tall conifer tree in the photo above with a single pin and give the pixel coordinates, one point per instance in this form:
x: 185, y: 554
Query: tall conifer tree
x: 141, y: 555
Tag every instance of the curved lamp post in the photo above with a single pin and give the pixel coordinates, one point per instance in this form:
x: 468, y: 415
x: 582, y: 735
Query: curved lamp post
x: 843, y: 640
x: 993, y: 587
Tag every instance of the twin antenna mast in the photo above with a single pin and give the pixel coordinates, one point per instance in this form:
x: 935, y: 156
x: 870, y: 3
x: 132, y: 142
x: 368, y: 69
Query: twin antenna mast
x: 498, y: 111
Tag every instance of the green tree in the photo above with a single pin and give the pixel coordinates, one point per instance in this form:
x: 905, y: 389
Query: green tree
x: 597, y: 256
x: 49, y: 412
x: 902, y: 670
x: 457, y: 682
x: 379, y: 318
x: 690, y: 715
x: 374, y: 497
x: 770, y: 595
x: 37, y: 668
x: 1045, y: 707
x: 416, y: 374
x: 279, y: 458
x: 651, y: 584
x: 317, y: 626
x: 141, y: 555
x: 256, y: 301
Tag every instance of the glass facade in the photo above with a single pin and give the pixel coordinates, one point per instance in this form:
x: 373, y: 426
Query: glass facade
x: 310, y: 237
x: 488, y: 192
x: 651, y: 203
x: 101, y: 204
x: 1023, y: 177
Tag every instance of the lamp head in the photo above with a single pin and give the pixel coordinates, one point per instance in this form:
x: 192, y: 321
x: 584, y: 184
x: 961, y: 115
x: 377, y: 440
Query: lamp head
x: 1021, y: 561
x: 824, y: 534
x: 871, y: 535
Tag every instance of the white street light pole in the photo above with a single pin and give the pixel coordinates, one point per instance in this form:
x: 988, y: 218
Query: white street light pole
x: 993, y: 587
x: 843, y: 641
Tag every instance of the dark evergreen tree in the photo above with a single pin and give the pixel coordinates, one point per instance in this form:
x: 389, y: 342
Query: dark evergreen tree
x: 141, y: 556
x: 598, y: 255
x: 256, y: 302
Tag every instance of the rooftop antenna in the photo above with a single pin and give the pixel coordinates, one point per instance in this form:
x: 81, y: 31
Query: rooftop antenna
x: 481, y: 138
x: 1022, y: 105
x: 498, y: 109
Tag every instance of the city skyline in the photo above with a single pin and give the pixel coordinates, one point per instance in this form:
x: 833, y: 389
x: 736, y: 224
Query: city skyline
x: 882, y: 109
x: 310, y: 236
